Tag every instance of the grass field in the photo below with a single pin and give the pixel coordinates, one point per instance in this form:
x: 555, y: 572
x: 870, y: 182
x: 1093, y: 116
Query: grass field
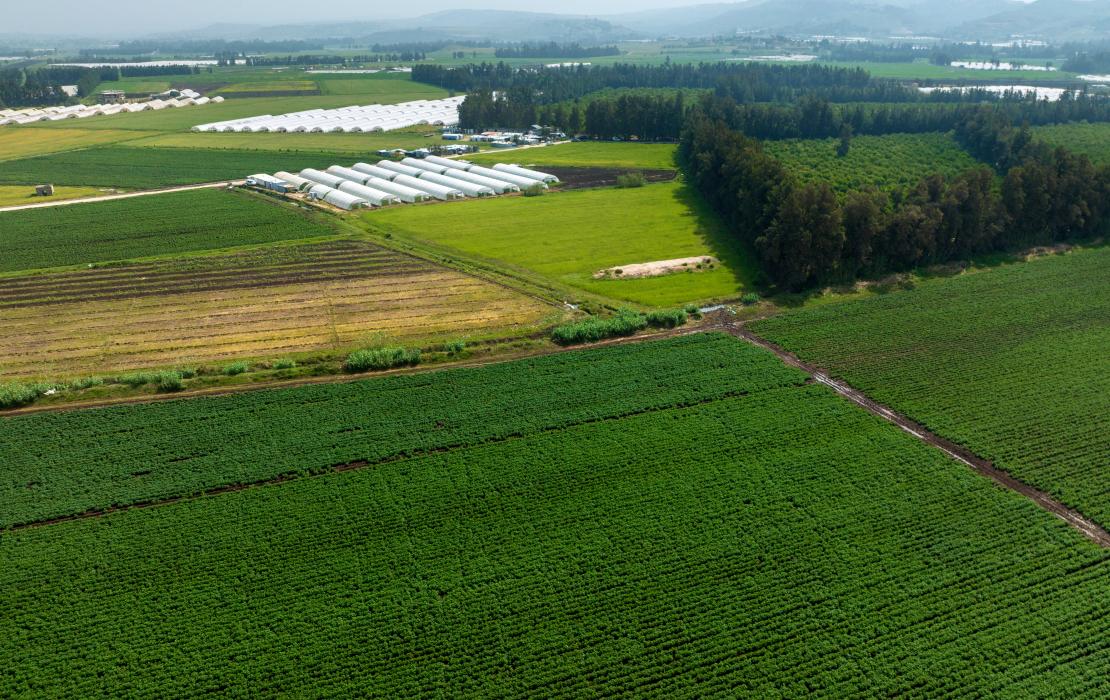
x: 740, y: 533
x: 600, y: 154
x: 264, y: 303
x: 886, y: 162
x: 1010, y: 362
x: 362, y: 146
x: 14, y: 195
x: 569, y: 236
x: 21, y: 142
x: 163, y: 224
x: 1092, y: 140
x: 144, y: 168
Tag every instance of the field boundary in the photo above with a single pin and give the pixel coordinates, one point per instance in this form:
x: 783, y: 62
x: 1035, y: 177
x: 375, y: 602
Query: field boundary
x: 1088, y: 528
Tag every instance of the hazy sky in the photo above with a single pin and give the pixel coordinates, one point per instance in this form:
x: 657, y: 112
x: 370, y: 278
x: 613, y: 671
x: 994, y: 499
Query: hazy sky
x: 159, y: 16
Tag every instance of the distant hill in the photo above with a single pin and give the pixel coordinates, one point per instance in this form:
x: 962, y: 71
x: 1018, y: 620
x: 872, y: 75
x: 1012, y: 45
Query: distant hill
x: 1057, y: 20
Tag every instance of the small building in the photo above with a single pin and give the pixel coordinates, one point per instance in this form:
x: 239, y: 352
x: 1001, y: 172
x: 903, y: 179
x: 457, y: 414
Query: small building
x: 44, y: 191
x: 452, y: 137
x: 110, y: 97
x: 70, y: 90
x: 269, y: 182
x: 418, y: 153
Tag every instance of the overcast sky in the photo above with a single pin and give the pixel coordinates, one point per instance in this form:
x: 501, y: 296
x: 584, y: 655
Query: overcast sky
x: 116, y: 17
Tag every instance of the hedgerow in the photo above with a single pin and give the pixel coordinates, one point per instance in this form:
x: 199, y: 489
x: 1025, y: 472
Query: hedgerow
x: 381, y: 358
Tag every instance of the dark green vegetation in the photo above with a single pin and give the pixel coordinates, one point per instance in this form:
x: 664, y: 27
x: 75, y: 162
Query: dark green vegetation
x: 740, y: 533
x: 894, y: 160
x: 1092, y: 140
x: 624, y: 322
x: 141, y: 168
x: 1011, y: 362
x: 381, y: 358
x: 180, y: 453
x: 146, y: 226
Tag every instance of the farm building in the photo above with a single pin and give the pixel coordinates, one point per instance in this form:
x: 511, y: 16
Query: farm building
x: 321, y: 178
x: 400, y: 168
x: 422, y: 165
x: 517, y: 180
x: 498, y: 186
x: 107, y: 97
x: 526, y: 172
x: 468, y: 188
x: 374, y: 170
x: 269, y: 182
x: 353, y: 119
x: 296, y: 180
x: 376, y: 197
x: 441, y: 192
x: 336, y: 198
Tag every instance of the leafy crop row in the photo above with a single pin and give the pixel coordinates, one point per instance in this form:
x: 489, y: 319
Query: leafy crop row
x: 780, y: 543
x: 183, y: 446
x: 1011, y: 362
x: 624, y: 322
x: 885, y: 162
x: 140, y: 168
x: 1091, y: 140
x: 131, y: 228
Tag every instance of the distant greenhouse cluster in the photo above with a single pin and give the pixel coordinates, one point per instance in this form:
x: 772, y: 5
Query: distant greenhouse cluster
x: 410, y: 181
x: 355, y: 119
x: 54, y: 114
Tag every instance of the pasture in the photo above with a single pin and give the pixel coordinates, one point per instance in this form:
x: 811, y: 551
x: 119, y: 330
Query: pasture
x: 587, y: 154
x: 158, y: 225
x: 15, y: 195
x: 1092, y: 140
x: 263, y: 303
x: 568, y: 236
x: 22, y: 142
x: 886, y: 162
x: 358, y: 146
x: 742, y: 536
x: 1010, y: 362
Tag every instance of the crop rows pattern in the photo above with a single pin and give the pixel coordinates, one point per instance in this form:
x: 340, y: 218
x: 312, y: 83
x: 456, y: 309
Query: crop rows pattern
x: 145, y: 226
x: 1010, y: 362
x: 1092, y: 140
x: 776, y: 542
x: 142, y: 168
x: 885, y: 162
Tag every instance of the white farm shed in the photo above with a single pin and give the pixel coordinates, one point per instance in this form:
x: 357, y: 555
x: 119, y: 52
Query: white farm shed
x: 318, y: 177
x: 337, y: 199
x: 517, y: 180
x: 421, y: 165
x: 448, y: 163
x: 405, y: 194
x: 374, y: 171
x: 348, y: 174
x: 399, y: 168
x: 296, y: 180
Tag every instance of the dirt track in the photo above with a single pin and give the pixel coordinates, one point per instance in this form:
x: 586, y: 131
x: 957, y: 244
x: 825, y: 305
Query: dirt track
x: 128, y: 195
x: 1088, y: 528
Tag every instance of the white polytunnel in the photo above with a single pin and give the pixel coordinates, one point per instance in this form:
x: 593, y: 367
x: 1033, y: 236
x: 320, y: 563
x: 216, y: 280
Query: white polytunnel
x: 399, y: 168
x: 526, y: 172
x: 362, y: 118
x: 448, y: 163
x: 517, y: 180
x: 374, y: 171
x: 296, y: 180
x: 348, y: 174
x: 467, y: 188
x: 438, y: 191
x: 421, y: 165
x: 376, y: 197
x: 498, y: 186
x: 336, y: 198
x: 405, y: 194
x: 321, y: 178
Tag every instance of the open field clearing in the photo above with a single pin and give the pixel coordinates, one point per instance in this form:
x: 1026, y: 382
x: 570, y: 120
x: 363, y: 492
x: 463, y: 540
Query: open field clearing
x: 145, y: 168
x: 361, y: 145
x: 274, y: 88
x: 746, y: 534
x: 1092, y: 140
x: 266, y: 303
x: 599, y: 154
x: 1010, y: 362
x: 379, y: 88
x: 569, y: 236
x: 14, y: 195
x: 164, y: 224
x: 885, y: 162
x: 21, y: 142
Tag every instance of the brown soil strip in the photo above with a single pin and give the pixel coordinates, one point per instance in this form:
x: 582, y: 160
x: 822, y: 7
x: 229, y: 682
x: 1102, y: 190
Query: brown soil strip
x: 582, y: 178
x: 1085, y: 526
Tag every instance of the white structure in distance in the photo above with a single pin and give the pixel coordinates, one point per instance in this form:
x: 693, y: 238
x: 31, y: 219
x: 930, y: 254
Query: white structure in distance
x: 54, y: 114
x: 354, y: 119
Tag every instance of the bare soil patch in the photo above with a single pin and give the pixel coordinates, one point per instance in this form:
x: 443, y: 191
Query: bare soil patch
x: 657, y: 268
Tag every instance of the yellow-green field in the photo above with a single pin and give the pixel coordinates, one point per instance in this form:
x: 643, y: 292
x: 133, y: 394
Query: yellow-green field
x: 20, y: 142
x: 355, y: 144
x: 13, y: 195
x: 596, y: 154
x: 568, y: 236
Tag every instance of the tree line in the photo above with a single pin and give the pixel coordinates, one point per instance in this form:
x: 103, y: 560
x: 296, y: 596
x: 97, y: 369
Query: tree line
x: 804, y: 234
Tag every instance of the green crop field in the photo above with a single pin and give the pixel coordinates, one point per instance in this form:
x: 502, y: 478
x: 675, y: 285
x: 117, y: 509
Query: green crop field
x: 596, y: 154
x: 142, y: 168
x: 1010, y: 362
x: 894, y: 160
x: 749, y: 535
x: 146, y: 226
x: 1092, y: 140
x: 358, y: 146
x: 568, y: 236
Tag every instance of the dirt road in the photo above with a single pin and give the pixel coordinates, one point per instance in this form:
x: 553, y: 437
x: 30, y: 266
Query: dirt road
x: 128, y: 195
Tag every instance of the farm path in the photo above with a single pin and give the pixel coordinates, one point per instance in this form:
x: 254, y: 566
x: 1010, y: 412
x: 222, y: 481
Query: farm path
x: 126, y: 195
x: 1085, y: 526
